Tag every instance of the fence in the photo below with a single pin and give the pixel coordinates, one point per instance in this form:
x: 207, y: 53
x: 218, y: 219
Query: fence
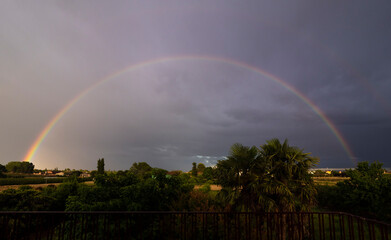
x: 189, y: 225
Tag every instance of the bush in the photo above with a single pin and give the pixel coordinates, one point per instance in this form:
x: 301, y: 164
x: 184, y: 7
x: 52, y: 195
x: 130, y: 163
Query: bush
x: 25, y: 199
x: 366, y: 193
x: 205, y: 188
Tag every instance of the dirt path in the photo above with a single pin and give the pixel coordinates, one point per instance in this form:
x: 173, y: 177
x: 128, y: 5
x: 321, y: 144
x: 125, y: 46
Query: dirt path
x: 35, y: 186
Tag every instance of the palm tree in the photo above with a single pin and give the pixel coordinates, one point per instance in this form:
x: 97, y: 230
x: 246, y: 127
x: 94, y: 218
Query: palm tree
x: 272, y: 178
x: 288, y: 168
x: 234, y: 174
x: 291, y: 187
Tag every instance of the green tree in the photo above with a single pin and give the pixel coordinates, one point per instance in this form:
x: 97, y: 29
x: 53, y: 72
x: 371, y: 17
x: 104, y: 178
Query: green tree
x: 288, y: 170
x: 101, y: 166
x: 272, y: 178
x: 20, y: 167
x: 94, y: 173
x: 25, y: 199
x: 141, y: 169
x: 2, y: 170
x: 64, y: 190
x: 235, y: 174
x: 194, y: 170
x: 367, y: 192
x: 208, y: 173
x: 201, y: 167
x: 75, y: 173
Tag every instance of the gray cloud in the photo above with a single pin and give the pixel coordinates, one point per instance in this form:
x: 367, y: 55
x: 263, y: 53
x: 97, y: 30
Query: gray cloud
x: 336, y: 54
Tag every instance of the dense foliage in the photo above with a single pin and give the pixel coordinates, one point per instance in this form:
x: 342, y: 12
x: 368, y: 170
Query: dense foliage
x: 366, y: 193
x: 272, y: 178
x: 121, y: 191
x: 20, y: 167
x: 194, y: 170
x: 2, y: 171
x: 141, y: 169
x: 101, y: 166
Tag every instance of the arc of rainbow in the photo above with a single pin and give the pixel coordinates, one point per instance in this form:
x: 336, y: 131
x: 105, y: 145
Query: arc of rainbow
x: 41, y: 137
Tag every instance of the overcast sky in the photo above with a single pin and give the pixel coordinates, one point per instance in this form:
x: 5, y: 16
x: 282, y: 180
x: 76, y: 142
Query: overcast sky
x: 172, y: 113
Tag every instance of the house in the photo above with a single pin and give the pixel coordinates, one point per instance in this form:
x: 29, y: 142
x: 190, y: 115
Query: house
x: 85, y: 175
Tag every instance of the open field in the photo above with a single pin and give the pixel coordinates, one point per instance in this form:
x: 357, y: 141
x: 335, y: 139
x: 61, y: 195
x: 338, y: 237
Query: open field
x: 328, y: 180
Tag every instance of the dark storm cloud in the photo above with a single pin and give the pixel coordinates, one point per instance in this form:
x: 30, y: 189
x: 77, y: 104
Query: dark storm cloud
x: 171, y: 114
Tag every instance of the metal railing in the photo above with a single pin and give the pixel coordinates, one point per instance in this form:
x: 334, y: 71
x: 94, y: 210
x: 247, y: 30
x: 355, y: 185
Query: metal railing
x: 189, y: 225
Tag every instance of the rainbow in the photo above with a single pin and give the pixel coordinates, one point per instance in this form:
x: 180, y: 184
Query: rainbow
x: 41, y: 137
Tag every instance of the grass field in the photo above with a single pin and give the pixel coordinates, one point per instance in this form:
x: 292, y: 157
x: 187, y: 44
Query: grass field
x: 329, y: 180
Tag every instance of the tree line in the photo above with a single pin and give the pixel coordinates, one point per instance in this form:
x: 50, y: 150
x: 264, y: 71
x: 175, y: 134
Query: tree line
x: 273, y: 177
x: 367, y: 192
x: 17, y: 167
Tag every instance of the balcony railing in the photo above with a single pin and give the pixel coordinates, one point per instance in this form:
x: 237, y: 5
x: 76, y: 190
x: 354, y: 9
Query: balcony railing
x: 189, y: 225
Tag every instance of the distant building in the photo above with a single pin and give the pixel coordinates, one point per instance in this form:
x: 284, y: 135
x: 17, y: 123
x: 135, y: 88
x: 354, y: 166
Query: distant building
x: 85, y: 175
